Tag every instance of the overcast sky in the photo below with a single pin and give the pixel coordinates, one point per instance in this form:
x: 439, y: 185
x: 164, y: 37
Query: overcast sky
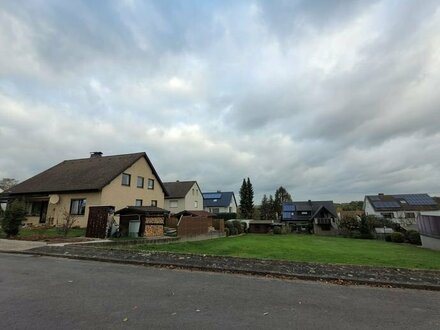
x: 331, y: 99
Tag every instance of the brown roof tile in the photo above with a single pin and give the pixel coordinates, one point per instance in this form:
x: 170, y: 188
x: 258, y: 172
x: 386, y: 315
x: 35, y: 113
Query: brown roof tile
x: 80, y: 175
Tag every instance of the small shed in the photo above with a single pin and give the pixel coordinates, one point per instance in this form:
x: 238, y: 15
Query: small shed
x: 146, y: 220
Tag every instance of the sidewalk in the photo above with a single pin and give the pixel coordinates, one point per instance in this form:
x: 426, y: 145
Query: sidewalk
x: 18, y: 245
x: 339, y: 274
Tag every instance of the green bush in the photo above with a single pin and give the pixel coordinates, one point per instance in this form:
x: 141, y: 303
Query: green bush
x: 237, y: 224
x: 277, y: 230
x: 234, y: 231
x: 413, y: 237
x: 227, y: 233
x: 14, y: 215
x: 397, y: 237
x: 388, y: 237
x: 226, y: 216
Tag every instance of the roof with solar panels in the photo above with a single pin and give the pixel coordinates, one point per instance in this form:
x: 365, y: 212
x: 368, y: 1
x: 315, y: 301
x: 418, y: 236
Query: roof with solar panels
x: 218, y: 199
x: 403, y: 202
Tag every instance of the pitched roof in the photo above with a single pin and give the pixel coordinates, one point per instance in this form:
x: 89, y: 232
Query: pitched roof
x: 291, y: 209
x: 178, y: 189
x: 218, y: 199
x: 403, y: 202
x: 86, y: 174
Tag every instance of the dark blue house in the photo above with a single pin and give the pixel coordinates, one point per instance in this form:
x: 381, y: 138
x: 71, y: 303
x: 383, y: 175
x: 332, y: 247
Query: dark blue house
x: 319, y: 217
x: 220, y: 202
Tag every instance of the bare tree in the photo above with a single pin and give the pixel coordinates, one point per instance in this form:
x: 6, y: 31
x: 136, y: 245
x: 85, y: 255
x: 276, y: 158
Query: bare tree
x: 7, y: 183
x: 68, y: 221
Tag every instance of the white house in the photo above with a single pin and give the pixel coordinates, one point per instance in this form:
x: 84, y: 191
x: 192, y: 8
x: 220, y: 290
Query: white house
x: 183, y: 196
x: 400, y: 208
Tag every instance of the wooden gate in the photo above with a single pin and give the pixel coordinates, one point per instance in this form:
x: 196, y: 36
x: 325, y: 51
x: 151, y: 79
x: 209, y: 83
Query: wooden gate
x: 97, y: 222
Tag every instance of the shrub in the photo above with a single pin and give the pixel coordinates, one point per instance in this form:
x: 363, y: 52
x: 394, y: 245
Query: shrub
x: 234, y: 231
x: 413, y: 237
x: 14, y: 215
x: 237, y: 224
x: 397, y: 237
x: 227, y: 233
x: 388, y: 237
x: 277, y: 230
x: 364, y: 229
x: 348, y: 224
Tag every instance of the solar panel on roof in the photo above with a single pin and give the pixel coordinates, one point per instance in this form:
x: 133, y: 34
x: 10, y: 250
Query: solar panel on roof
x: 212, y: 196
x: 381, y: 204
x: 287, y: 215
x: 417, y: 199
x: 289, y: 207
x: 375, y: 198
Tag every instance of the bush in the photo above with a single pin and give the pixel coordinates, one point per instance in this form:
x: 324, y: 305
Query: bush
x: 234, y: 231
x: 397, y: 237
x: 227, y: 233
x: 226, y: 216
x: 277, y: 230
x: 388, y: 237
x: 364, y: 229
x: 237, y: 224
x: 413, y: 237
x: 14, y: 215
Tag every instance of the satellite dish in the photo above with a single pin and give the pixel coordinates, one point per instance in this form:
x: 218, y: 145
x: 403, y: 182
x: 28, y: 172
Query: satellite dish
x: 54, y: 199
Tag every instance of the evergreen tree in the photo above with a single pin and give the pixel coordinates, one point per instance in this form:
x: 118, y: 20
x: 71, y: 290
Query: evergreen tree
x: 243, y: 199
x: 246, y: 199
x: 264, y: 208
x: 271, y: 206
x: 250, y: 199
x: 281, y: 196
x: 14, y: 215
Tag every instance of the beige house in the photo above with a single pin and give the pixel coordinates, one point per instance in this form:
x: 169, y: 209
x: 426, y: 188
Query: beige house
x: 72, y: 186
x: 183, y: 196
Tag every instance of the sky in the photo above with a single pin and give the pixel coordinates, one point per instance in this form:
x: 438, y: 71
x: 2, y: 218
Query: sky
x: 330, y: 99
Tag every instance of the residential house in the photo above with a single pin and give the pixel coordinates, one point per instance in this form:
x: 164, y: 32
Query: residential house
x: 72, y: 186
x: 220, y: 202
x: 400, y: 208
x: 304, y: 215
x: 183, y: 195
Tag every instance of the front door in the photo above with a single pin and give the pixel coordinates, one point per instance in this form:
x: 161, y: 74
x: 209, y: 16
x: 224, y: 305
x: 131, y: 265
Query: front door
x: 43, y: 211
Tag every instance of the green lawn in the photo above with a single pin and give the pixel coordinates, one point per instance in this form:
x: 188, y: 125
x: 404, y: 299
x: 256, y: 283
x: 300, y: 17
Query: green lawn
x: 310, y: 248
x: 46, y: 233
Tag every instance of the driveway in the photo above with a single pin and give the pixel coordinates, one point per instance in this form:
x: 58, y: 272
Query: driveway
x: 17, y: 245
x: 56, y: 293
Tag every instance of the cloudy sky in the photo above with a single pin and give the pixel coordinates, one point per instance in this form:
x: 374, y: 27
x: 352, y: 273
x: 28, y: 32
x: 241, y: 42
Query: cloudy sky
x: 331, y: 99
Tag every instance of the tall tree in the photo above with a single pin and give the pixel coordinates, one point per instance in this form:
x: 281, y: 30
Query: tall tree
x: 264, y: 208
x: 272, y: 215
x: 243, y: 199
x: 250, y: 199
x: 7, y: 183
x: 246, y: 199
x: 281, y: 196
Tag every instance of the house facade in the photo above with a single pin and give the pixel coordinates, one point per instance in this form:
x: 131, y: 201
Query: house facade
x: 72, y: 186
x: 183, y: 195
x: 400, y: 208
x: 219, y: 202
x: 320, y: 216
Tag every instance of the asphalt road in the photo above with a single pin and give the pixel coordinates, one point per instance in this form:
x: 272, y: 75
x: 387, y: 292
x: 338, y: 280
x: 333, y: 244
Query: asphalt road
x: 56, y: 293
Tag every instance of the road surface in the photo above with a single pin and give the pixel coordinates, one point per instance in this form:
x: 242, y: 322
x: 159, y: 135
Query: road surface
x: 57, y: 293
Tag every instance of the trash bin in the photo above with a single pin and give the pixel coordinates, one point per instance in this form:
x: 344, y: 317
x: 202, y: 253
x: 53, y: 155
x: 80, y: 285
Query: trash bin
x: 133, y: 228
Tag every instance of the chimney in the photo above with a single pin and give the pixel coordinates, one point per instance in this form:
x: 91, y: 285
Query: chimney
x: 310, y: 202
x: 218, y: 191
x: 380, y: 194
x: 95, y: 154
